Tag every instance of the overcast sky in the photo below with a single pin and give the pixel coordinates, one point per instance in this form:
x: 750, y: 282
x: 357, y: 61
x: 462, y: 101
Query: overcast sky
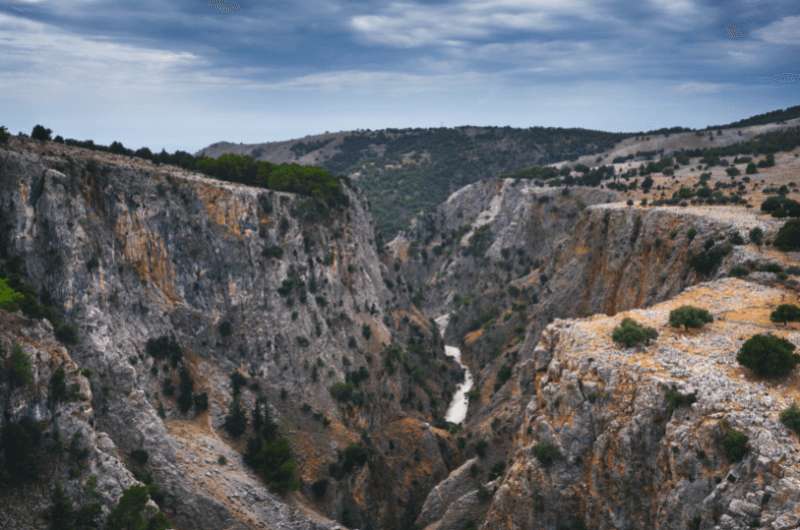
x: 185, y: 73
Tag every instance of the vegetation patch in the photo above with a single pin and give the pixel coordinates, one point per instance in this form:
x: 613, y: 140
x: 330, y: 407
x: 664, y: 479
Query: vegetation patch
x: 689, y: 317
x: 768, y: 356
x: 630, y: 333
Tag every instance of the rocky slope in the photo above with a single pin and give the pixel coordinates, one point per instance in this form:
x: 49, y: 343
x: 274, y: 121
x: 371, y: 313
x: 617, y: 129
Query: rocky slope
x: 247, y: 281
x: 506, y: 258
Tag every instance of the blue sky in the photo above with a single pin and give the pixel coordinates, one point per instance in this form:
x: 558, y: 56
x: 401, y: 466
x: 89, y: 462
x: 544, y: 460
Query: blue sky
x: 183, y: 74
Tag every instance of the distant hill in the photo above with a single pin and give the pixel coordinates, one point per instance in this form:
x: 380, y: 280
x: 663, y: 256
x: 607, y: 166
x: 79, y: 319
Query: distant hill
x: 408, y: 171
x: 405, y: 171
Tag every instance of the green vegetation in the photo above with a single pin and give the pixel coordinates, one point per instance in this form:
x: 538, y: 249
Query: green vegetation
x: 235, y: 420
x: 20, y: 447
x: 689, y: 317
x: 781, y: 206
x: 756, y: 236
x: 165, y: 348
x: 785, y: 313
x: 630, y: 333
x: 546, y: 453
x: 791, y: 418
x: 185, y: 388
x: 768, y: 356
x: 269, y: 453
x: 353, y: 457
x: 41, y: 133
x: 733, y: 443
x: 131, y: 512
x: 9, y: 298
x: 17, y: 368
x: 4, y: 135
x: 788, y: 237
x: 676, y: 399
x: 710, y: 258
x: 63, y: 516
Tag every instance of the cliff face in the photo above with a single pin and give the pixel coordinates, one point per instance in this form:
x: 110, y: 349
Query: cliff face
x: 631, y: 458
x: 598, y: 259
x: 245, y: 280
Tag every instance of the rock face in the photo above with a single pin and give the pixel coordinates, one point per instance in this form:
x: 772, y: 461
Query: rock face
x: 565, y: 430
x: 246, y: 280
x: 528, y: 269
x: 631, y: 459
x: 53, y: 415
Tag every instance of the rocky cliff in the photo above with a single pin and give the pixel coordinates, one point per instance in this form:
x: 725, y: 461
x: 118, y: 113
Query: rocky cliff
x: 229, y: 279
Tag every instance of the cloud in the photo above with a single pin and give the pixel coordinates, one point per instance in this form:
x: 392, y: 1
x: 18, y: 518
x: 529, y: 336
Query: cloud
x: 699, y: 87
x: 783, y: 31
x: 410, y: 24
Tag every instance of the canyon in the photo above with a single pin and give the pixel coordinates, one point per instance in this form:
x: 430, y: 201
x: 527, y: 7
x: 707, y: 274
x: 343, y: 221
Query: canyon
x: 417, y: 383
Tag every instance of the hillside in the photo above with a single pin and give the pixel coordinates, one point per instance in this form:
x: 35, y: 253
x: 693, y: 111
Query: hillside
x: 407, y: 171
x: 241, y: 352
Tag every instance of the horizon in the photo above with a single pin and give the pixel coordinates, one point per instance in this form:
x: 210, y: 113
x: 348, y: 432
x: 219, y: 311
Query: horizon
x: 185, y: 75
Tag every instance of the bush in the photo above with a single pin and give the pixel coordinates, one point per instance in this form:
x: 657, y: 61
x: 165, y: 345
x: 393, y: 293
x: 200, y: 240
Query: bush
x: 63, y: 516
x: 235, y: 421
x: 131, y: 512
x: 21, y: 442
x: 272, y: 251
x: 41, y: 133
x: 185, y: 388
x: 9, y: 298
x: 791, y: 418
x: 342, y: 391
x: 546, y: 453
x: 165, y: 347
x: 319, y: 488
x: 366, y: 331
x: 225, y: 329
x: 630, y: 333
x: 676, y: 400
x: 4, y: 135
x: 57, y: 391
x: 201, y: 402
x: 708, y: 260
x: 689, y: 317
x: 269, y: 453
x: 18, y: 370
x: 788, y: 237
x: 756, y: 236
x: 734, y: 444
x: 768, y: 356
x: 785, y: 313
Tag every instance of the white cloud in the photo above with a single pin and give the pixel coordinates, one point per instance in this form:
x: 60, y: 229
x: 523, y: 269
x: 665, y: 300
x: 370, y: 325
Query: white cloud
x: 410, y: 24
x: 699, y: 87
x: 783, y: 31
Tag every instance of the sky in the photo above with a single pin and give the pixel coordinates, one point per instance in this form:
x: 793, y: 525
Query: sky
x: 181, y: 74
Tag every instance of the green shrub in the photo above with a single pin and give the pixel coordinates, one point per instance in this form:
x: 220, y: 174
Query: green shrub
x: 57, y: 388
x: 756, y: 236
x: 131, y: 512
x: 734, y: 444
x: 272, y: 251
x: 788, y: 237
x: 185, y: 388
x: 225, y: 329
x: 235, y: 421
x: 791, y: 418
x: 366, y: 331
x: 546, y: 453
x: 4, y: 135
x: 768, y: 356
x: 343, y: 392
x: 709, y: 259
x: 18, y: 368
x: 675, y: 399
x: 785, y: 313
x: 165, y: 347
x: 739, y: 271
x: 41, y: 133
x: 140, y: 456
x: 630, y: 333
x: 269, y: 453
x: 689, y: 317
x: 9, y: 298
x: 63, y: 516
x: 201, y: 402
x: 21, y: 443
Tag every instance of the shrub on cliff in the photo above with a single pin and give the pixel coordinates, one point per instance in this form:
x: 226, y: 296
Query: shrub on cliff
x: 235, y: 421
x: 756, y: 236
x: 269, y: 453
x: 165, y: 347
x: 791, y: 418
x: 17, y: 368
x: 734, y: 443
x: 785, y: 313
x: 768, y: 356
x: 630, y: 333
x: 709, y: 259
x: 41, y: 133
x: 546, y: 453
x: 788, y: 237
x: 4, y: 135
x: 9, y: 297
x: 131, y: 512
x: 689, y: 317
